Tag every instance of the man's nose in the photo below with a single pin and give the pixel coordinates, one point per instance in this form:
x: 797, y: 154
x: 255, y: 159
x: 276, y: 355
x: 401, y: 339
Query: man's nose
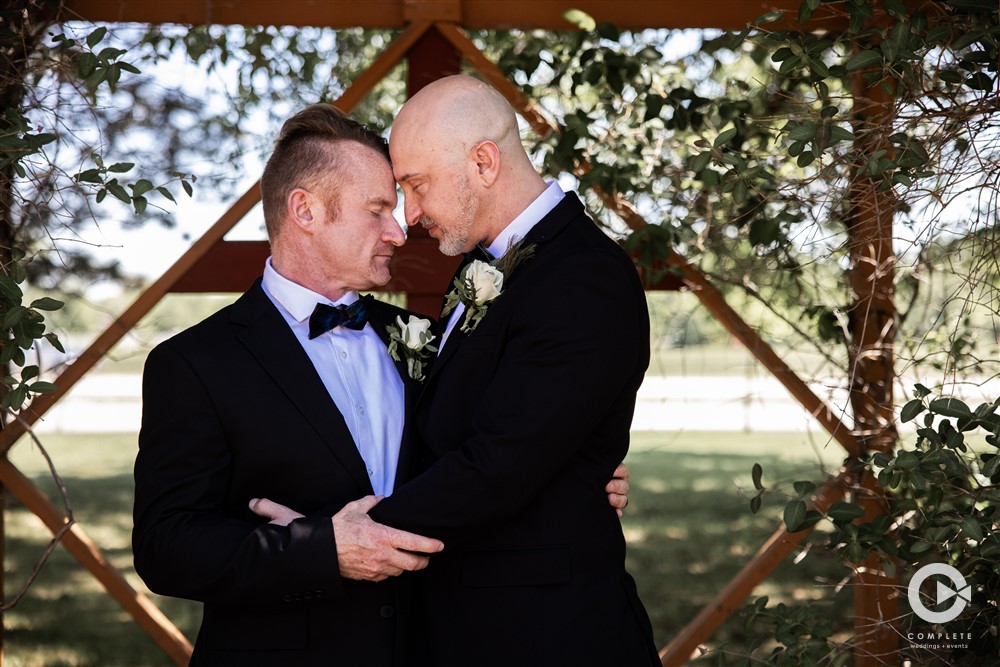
x: 412, y: 212
x: 394, y: 233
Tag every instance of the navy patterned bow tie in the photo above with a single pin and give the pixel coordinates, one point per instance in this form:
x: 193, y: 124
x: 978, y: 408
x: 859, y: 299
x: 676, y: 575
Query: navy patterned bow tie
x: 325, y: 317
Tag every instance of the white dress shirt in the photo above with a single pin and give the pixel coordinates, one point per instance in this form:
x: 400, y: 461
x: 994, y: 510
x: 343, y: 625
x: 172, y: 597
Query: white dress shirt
x: 357, y: 372
x: 516, y: 230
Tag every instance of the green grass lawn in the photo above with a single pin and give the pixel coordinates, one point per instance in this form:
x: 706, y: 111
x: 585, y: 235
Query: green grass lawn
x: 688, y: 525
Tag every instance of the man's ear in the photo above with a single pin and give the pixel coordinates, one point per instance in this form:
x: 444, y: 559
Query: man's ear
x: 301, y: 207
x: 486, y: 157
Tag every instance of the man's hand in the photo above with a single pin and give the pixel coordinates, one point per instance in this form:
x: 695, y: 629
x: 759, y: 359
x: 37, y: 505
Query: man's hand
x: 276, y: 512
x: 365, y: 549
x: 373, y: 552
x: 617, y: 488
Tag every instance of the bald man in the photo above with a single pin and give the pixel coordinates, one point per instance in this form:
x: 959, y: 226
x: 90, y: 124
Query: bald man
x: 527, y: 409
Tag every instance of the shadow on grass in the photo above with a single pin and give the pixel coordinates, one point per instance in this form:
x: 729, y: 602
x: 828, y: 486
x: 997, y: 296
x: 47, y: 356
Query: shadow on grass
x: 66, y: 617
x: 690, y: 531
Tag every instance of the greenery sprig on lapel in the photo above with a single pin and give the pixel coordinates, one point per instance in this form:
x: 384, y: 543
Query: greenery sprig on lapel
x: 414, y: 339
x: 481, y: 283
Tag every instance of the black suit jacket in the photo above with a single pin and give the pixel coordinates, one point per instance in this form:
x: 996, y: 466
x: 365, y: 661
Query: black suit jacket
x: 233, y: 409
x: 526, y: 418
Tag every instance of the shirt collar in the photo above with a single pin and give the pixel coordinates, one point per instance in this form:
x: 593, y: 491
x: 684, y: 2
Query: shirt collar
x: 299, y: 301
x: 529, y: 217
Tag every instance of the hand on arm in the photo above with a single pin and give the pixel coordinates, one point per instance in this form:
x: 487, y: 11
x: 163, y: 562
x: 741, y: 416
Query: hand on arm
x: 617, y: 488
x: 365, y: 550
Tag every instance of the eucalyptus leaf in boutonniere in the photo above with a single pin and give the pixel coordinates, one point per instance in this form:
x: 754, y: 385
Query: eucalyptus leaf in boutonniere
x: 413, y: 338
x: 481, y: 283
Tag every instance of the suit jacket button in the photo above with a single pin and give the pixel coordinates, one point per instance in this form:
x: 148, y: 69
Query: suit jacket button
x: 386, y: 611
x: 287, y: 598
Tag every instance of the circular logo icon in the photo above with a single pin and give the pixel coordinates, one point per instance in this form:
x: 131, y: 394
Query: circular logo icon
x: 960, y: 592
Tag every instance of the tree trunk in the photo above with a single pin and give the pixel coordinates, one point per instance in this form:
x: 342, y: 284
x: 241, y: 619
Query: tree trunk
x: 871, y: 372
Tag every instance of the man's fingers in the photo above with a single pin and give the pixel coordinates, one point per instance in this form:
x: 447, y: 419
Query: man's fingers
x: 400, y: 539
x: 622, y: 471
x: 363, y: 505
x: 275, y: 512
x: 617, y: 486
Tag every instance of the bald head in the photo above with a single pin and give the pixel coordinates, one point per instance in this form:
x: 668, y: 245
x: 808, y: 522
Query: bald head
x: 456, y: 113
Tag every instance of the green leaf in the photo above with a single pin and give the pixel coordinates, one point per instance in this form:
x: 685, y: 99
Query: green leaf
x: 755, y: 504
x: 805, y: 12
x: 42, y: 387
x: 166, y: 193
x: 121, y: 167
x: 118, y: 192
x: 794, y: 516
x: 911, y: 410
x: 863, y: 59
x: 47, y: 303
x: 725, y: 137
x: 950, y: 407
x: 96, y: 36
x: 140, y: 204
x: 89, y: 176
x: 700, y: 161
x: 740, y: 191
x: 55, y: 342
x: 141, y: 187
x: 920, y: 391
x: 29, y: 373
x: 86, y: 65
x: 907, y: 460
x: 895, y: 8
x: 781, y: 54
x: 838, y: 133
x: 991, y: 466
x: 13, y: 316
x: 9, y: 290
x: 804, y: 488
x: 805, y: 159
x: 845, y: 512
x: 972, y: 529
x: 803, y: 132
x: 187, y: 188
x: 756, y: 474
x: 980, y: 81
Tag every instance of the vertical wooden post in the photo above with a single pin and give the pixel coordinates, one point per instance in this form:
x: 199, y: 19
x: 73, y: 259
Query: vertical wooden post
x: 432, y: 57
x: 871, y: 372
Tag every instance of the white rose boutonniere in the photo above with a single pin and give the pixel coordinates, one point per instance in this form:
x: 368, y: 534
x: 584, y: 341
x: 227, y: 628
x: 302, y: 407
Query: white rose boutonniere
x: 413, y: 340
x: 481, y: 283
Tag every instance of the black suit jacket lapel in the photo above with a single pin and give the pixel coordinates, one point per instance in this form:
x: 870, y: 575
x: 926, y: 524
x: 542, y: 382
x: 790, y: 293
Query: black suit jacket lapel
x: 272, y: 343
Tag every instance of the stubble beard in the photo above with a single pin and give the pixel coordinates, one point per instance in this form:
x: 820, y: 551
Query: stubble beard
x: 455, y: 241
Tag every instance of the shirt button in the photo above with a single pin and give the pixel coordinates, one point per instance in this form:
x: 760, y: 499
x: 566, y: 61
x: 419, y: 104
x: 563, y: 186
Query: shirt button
x: 361, y: 409
x: 343, y: 354
x: 386, y: 611
x: 371, y: 473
